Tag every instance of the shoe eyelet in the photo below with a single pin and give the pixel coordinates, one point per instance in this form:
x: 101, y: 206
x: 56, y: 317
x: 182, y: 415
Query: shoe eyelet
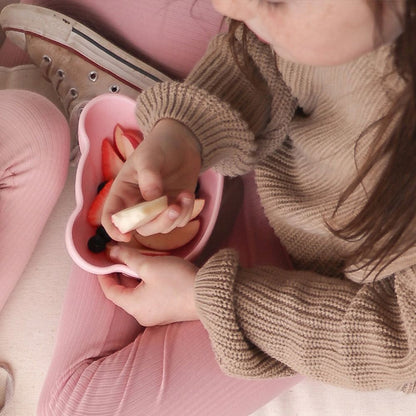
x: 47, y: 59
x: 92, y: 76
x: 114, y: 89
x: 74, y: 92
x: 60, y: 73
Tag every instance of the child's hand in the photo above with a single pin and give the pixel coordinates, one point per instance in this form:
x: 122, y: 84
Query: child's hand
x: 165, y: 293
x: 168, y: 163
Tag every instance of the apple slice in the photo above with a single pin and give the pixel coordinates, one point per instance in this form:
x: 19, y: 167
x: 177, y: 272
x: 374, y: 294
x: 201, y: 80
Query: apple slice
x: 199, y: 204
x: 135, y: 134
x: 130, y: 218
x: 124, y: 141
x: 178, y: 237
x: 133, y: 243
x: 111, y: 163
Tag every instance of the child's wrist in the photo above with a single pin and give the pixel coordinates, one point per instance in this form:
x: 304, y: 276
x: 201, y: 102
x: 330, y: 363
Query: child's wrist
x: 180, y: 131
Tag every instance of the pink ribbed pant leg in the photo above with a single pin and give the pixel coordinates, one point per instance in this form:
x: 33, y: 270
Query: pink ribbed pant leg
x: 106, y: 364
x: 34, y: 147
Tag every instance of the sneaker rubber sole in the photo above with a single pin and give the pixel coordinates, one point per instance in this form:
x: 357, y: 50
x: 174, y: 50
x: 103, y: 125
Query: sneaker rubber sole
x: 17, y: 20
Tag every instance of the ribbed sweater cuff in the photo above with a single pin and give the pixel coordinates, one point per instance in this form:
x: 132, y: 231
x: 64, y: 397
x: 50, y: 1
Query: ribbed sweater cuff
x: 214, y: 288
x: 226, y: 142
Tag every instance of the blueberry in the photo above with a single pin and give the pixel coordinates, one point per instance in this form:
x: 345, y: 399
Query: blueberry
x: 96, y: 244
x: 98, y: 241
x: 103, y: 234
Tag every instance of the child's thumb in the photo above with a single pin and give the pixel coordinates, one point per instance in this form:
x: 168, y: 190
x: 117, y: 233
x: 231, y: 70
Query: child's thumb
x: 128, y: 256
x: 150, y: 184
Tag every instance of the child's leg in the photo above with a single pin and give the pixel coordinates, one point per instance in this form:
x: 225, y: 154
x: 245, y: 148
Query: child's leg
x: 105, y: 364
x: 34, y: 146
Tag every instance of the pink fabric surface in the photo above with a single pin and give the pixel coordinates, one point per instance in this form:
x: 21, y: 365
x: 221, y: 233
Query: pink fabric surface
x: 170, y: 34
x: 34, y: 148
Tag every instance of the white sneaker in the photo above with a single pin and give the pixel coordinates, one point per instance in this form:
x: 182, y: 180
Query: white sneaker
x: 78, y: 62
x: 6, y: 390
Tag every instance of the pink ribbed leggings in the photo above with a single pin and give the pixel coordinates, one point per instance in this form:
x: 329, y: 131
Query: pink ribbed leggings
x: 106, y: 364
x: 34, y: 147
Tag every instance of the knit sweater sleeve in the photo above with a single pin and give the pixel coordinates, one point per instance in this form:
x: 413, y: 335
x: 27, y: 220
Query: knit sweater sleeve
x: 266, y: 322
x: 225, y: 111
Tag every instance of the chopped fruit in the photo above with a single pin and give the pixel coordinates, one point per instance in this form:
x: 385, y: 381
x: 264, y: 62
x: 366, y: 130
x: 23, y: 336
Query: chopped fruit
x: 133, y: 243
x: 111, y: 163
x: 101, y: 186
x: 178, y: 237
x: 97, y: 243
x: 197, y: 188
x: 130, y: 218
x: 103, y: 233
x: 125, y: 142
x: 96, y: 208
x: 198, y: 206
x: 113, y: 155
x: 136, y: 134
x: 151, y: 252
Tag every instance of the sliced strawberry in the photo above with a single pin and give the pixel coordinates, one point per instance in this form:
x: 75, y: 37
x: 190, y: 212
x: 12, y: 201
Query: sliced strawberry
x: 111, y: 163
x: 96, y: 208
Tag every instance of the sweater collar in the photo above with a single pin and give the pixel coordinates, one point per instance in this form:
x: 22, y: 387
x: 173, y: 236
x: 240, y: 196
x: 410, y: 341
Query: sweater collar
x: 309, y: 84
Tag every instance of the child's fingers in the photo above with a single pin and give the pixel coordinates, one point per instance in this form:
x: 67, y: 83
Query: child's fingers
x: 112, y: 205
x: 128, y: 281
x: 150, y: 183
x: 148, y: 165
x: 186, y: 200
x: 117, y: 293
x: 131, y: 257
x: 177, y: 215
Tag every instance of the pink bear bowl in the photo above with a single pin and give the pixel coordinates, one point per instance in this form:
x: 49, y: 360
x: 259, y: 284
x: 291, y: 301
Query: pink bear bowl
x: 97, y: 122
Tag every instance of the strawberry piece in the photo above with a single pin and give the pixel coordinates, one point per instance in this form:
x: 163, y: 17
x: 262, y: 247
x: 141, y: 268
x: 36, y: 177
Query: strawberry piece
x: 96, y: 208
x: 111, y: 163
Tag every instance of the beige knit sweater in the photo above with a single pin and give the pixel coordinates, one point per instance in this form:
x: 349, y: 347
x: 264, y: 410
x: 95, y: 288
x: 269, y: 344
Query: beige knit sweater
x: 317, y: 320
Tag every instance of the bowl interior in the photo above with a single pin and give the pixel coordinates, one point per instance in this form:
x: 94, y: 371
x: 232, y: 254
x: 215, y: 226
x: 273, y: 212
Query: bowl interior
x: 96, y: 123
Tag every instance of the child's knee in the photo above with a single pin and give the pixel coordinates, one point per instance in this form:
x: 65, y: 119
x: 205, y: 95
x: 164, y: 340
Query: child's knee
x: 29, y: 120
x: 34, y: 134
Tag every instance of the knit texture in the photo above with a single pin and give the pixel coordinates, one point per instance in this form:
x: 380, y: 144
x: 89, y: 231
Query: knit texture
x: 319, y: 320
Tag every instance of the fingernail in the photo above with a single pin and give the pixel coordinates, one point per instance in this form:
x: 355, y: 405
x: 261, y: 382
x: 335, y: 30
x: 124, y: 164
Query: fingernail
x: 173, y: 214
